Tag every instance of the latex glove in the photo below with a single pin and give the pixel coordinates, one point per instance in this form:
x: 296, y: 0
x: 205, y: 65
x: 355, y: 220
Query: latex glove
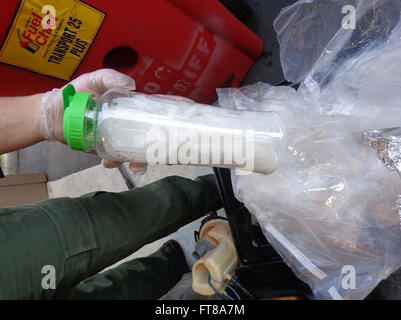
x: 136, y: 168
x: 97, y: 82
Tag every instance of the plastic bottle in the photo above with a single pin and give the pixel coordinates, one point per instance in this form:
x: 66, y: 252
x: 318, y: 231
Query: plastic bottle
x: 127, y: 126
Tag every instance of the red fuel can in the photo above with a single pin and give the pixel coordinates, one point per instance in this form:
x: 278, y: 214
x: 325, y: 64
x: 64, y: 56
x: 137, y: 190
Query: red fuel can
x: 179, y: 47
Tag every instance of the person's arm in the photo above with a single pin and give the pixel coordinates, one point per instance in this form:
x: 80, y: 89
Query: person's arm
x: 19, y: 122
x: 25, y: 121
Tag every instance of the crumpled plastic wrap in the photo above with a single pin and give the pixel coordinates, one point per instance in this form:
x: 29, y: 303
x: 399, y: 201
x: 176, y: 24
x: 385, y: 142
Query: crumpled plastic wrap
x: 331, y: 210
x: 388, y: 146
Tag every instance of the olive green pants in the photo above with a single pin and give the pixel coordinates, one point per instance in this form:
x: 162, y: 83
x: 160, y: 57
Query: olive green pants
x: 74, y: 239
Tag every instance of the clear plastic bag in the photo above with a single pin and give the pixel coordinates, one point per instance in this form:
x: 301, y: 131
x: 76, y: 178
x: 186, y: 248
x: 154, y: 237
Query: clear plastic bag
x: 314, y: 42
x: 331, y: 209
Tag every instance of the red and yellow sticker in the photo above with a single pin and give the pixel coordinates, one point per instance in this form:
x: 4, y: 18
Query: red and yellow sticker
x: 51, y: 37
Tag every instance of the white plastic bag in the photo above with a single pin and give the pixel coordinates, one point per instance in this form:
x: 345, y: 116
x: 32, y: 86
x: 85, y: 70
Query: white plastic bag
x: 331, y: 210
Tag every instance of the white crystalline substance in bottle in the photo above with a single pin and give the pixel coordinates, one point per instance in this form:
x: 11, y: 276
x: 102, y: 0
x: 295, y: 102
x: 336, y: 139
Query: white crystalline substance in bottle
x: 160, y: 129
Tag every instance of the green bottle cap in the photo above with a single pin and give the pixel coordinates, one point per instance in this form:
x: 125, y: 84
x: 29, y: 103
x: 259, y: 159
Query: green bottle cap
x: 75, y: 104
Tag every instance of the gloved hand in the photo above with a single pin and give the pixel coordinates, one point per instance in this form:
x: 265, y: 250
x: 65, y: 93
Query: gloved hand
x: 97, y: 82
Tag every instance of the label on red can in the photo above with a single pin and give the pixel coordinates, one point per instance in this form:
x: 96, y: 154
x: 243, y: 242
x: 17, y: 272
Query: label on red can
x: 51, y: 37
